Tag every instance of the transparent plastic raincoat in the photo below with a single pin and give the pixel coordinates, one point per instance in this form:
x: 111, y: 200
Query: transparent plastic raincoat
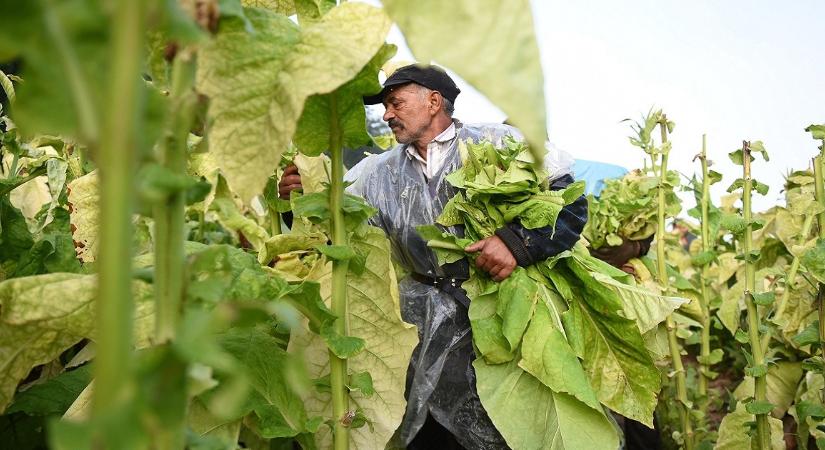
x: 440, y: 379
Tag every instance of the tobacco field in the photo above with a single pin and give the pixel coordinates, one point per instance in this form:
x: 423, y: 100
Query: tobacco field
x: 156, y: 293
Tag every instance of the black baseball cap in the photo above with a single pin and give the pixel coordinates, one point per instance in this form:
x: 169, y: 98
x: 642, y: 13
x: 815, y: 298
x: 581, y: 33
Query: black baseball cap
x: 431, y: 77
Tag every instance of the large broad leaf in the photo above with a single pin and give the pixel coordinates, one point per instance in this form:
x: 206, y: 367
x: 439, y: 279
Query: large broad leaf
x: 41, y: 316
x: 313, y: 132
x: 783, y: 380
x: 374, y: 316
x: 84, y: 201
x: 814, y: 261
x: 258, y: 81
x: 647, y: 308
x: 53, y: 396
x: 546, y: 355
x: 531, y: 416
x: 279, y: 409
x: 509, y: 73
x: 615, y: 359
x: 734, y: 432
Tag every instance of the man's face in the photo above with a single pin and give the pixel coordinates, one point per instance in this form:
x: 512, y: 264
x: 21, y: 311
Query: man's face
x: 408, y: 112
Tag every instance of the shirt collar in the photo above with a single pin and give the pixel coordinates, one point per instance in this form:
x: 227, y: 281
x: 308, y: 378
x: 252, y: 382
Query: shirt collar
x: 445, y: 136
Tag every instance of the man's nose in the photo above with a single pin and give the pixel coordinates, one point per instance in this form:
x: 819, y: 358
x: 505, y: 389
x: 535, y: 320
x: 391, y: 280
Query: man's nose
x: 388, y: 115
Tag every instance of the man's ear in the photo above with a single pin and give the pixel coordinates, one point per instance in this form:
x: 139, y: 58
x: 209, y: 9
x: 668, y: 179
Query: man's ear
x: 436, y: 101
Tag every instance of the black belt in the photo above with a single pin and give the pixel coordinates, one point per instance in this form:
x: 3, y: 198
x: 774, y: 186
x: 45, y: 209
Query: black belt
x: 449, y: 285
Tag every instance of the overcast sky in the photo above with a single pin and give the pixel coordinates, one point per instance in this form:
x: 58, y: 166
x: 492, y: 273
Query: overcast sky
x: 733, y: 69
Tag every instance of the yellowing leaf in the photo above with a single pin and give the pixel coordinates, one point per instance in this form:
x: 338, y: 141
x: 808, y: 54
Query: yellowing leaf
x: 509, y: 72
x: 733, y: 431
x: 373, y: 315
x: 258, y: 82
x: 554, y: 421
x: 43, y: 315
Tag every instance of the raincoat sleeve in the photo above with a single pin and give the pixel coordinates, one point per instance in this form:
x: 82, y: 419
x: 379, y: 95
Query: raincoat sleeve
x: 531, y: 246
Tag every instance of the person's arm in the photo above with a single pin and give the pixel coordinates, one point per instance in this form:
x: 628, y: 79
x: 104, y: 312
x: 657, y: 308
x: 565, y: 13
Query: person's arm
x: 530, y: 246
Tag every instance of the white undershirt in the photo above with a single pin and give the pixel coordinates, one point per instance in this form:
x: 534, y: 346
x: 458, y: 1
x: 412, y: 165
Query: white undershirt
x: 437, y: 151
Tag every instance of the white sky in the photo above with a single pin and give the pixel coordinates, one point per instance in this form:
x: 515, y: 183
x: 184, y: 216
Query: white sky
x: 733, y: 69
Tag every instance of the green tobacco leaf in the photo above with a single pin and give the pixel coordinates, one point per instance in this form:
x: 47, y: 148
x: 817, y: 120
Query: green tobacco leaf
x: 759, y: 147
x: 808, y: 336
x: 279, y: 408
x: 703, y: 258
x: 713, y: 357
x: 51, y: 38
x: 336, y: 252
x: 210, y: 432
x: 556, y: 421
x: 285, y: 7
x: 517, y: 296
x: 814, y: 261
x: 361, y: 381
x: 375, y: 317
x: 783, y: 379
x: 755, y: 407
x: 258, y: 81
x: 733, y: 432
x: 43, y: 315
x: 343, y: 346
x: 488, y: 335
x: 512, y: 80
x: 313, y: 132
x: 546, y: 355
x: 54, y: 396
x: 230, y: 216
x: 764, y: 298
x: 617, y: 364
x: 646, y: 308
x: 817, y: 131
x: 15, y: 237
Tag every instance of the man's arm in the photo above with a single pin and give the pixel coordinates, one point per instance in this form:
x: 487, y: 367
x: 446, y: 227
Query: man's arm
x: 531, y: 246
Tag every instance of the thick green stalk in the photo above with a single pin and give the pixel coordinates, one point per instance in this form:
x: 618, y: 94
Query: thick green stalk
x: 763, y: 431
x: 17, y: 183
x: 673, y: 342
x: 117, y: 156
x: 169, y: 215
x: 707, y: 245
x: 169, y: 218
x: 338, y: 366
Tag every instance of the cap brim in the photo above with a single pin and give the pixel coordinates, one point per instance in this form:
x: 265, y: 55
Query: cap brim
x: 379, y: 97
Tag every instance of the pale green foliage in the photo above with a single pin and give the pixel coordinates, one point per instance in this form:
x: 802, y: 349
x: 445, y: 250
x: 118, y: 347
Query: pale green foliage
x: 734, y: 435
x: 41, y: 316
x: 258, y: 81
x: 374, y: 316
x: 568, y: 325
x: 502, y: 62
x: 783, y: 379
x: 532, y: 416
x: 627, y: 207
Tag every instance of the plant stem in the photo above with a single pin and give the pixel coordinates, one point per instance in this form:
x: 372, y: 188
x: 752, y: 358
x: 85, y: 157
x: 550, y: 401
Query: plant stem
x: 274, y: 222
x: 114, y: 378
x: 673, y: 343
x: 338, y: 366
x: 704, y: 351
x: 789, y: 281
x: 169, y: 216
x: 10, y: 187
x: 763, y: 431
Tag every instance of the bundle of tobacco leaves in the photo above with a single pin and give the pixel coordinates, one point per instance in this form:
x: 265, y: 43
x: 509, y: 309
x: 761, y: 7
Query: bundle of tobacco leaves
x: 557, y: 341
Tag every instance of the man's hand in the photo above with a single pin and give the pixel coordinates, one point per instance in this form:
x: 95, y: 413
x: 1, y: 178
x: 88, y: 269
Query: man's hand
x: 619, y: 255
x: 495, y: 258
x: 290, y: 181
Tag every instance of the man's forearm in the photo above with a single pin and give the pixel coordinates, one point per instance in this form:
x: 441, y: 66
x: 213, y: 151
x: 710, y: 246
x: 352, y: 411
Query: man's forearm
x: 530, y: 246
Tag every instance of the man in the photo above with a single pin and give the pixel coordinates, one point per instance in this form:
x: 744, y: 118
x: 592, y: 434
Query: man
x: 407, y: 185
